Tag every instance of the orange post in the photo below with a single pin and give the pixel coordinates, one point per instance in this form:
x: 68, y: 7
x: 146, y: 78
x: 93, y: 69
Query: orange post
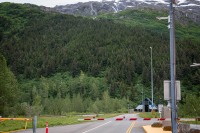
x: 47, y: 129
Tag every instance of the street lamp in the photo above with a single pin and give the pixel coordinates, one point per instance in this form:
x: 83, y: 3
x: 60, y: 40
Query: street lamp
x: 151, y: 79
x: 195, y: 64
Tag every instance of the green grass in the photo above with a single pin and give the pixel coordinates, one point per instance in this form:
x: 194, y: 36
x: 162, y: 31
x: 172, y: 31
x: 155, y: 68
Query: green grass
x: 109, y: 115
x: 12, y: 125
x: 52, y: 121
x: 149, y: 115
x: 191, y: 122
x: 41, y: 123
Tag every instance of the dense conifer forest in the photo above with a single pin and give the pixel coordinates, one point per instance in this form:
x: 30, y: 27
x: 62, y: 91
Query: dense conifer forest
x: 54, y: 63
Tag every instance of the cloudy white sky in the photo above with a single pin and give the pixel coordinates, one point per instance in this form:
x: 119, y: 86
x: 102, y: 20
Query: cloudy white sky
x: 48, y: 3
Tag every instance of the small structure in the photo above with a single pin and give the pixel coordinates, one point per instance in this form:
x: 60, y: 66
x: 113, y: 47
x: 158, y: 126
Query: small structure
x: 146, y: 106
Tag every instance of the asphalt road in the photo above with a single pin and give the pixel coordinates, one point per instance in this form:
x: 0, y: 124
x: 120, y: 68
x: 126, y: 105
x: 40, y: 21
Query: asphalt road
x: 110, y: 125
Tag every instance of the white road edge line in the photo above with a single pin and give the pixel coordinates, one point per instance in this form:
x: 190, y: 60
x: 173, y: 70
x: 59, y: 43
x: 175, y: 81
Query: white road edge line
x: 97, y: 127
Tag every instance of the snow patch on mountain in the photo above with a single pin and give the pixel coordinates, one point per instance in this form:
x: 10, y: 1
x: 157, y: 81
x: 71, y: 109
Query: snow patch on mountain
x: 189, y: 8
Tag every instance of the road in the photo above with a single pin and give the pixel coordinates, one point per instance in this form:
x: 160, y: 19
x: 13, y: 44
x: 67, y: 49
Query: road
x: 110, y: 125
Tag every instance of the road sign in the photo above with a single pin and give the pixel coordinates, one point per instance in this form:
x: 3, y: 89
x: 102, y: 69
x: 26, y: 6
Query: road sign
x: 167, y: 90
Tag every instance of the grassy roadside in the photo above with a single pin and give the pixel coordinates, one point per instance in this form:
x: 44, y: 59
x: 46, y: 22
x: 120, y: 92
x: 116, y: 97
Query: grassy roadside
x: 149, y: 115
x: 41, y: 122
x: 109, y: 115
x: 191, y: 122
x: 52, y: 121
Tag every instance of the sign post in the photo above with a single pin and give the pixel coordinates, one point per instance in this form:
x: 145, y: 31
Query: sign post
x: 167, y: 91
x: 172, y: 95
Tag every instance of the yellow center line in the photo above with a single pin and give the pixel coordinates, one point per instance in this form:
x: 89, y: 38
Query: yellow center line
x: 130, y: 128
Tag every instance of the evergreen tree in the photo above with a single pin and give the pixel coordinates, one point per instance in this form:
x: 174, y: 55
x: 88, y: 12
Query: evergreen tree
x: 9, y: 92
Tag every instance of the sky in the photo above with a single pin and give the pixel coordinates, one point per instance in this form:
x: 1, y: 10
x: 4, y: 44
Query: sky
x: 48, y: 3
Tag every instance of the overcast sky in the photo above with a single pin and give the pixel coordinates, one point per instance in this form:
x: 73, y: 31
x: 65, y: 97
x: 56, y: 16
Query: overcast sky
x: 48, y: 3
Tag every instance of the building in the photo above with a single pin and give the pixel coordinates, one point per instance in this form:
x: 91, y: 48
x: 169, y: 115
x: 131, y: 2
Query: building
x: 146, y: 106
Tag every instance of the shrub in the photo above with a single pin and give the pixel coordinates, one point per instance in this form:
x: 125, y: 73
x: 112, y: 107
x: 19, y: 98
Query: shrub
x: 194, y: 131
x: 167, y: 128
x: 156, y: 124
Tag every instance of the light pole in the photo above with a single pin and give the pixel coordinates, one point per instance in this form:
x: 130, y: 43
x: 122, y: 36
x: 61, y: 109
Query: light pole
x: 173, y: 99
x: 151, y: 79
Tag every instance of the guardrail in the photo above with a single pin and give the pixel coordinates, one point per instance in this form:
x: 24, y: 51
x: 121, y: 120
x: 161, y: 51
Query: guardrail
x: 17, y: 119
x: 135, y: 119
x: 91, y: 119
x: 147, y: 119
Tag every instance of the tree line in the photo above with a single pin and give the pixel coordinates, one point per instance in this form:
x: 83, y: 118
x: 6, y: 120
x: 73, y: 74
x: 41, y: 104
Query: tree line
x: 113, y: 52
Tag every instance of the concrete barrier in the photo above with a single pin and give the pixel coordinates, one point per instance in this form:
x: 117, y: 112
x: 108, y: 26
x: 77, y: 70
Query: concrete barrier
x: 133, y: 119
x: 161, y: 119
x: 100, y: 119
x: 119, y: 119
x: 87, y: 119
x: 146, y: 119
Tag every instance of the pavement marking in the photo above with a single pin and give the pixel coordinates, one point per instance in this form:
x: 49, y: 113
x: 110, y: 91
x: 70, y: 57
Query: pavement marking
x: 97, y: 127
x: 130, y: 128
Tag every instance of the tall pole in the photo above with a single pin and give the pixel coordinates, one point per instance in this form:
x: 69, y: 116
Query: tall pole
x: 151, y: 79
x: 34, y: 124
x: 173, y: 69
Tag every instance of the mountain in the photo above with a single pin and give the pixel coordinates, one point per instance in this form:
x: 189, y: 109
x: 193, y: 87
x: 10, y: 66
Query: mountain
x: 49, y: 42
x: 55, y: 55
x: 189, y: 9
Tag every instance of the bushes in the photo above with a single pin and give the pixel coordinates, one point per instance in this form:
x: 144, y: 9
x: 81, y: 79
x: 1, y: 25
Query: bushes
x: 79, y: 105
x: 156, y: 124
x: 167, y: 128
x: 190, y: 106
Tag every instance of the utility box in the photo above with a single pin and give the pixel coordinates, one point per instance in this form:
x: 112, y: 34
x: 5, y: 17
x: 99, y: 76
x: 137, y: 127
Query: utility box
x: 167, y: 89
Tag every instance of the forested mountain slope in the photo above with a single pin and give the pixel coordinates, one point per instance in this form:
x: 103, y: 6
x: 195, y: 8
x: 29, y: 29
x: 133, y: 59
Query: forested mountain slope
x: 113, y: 48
